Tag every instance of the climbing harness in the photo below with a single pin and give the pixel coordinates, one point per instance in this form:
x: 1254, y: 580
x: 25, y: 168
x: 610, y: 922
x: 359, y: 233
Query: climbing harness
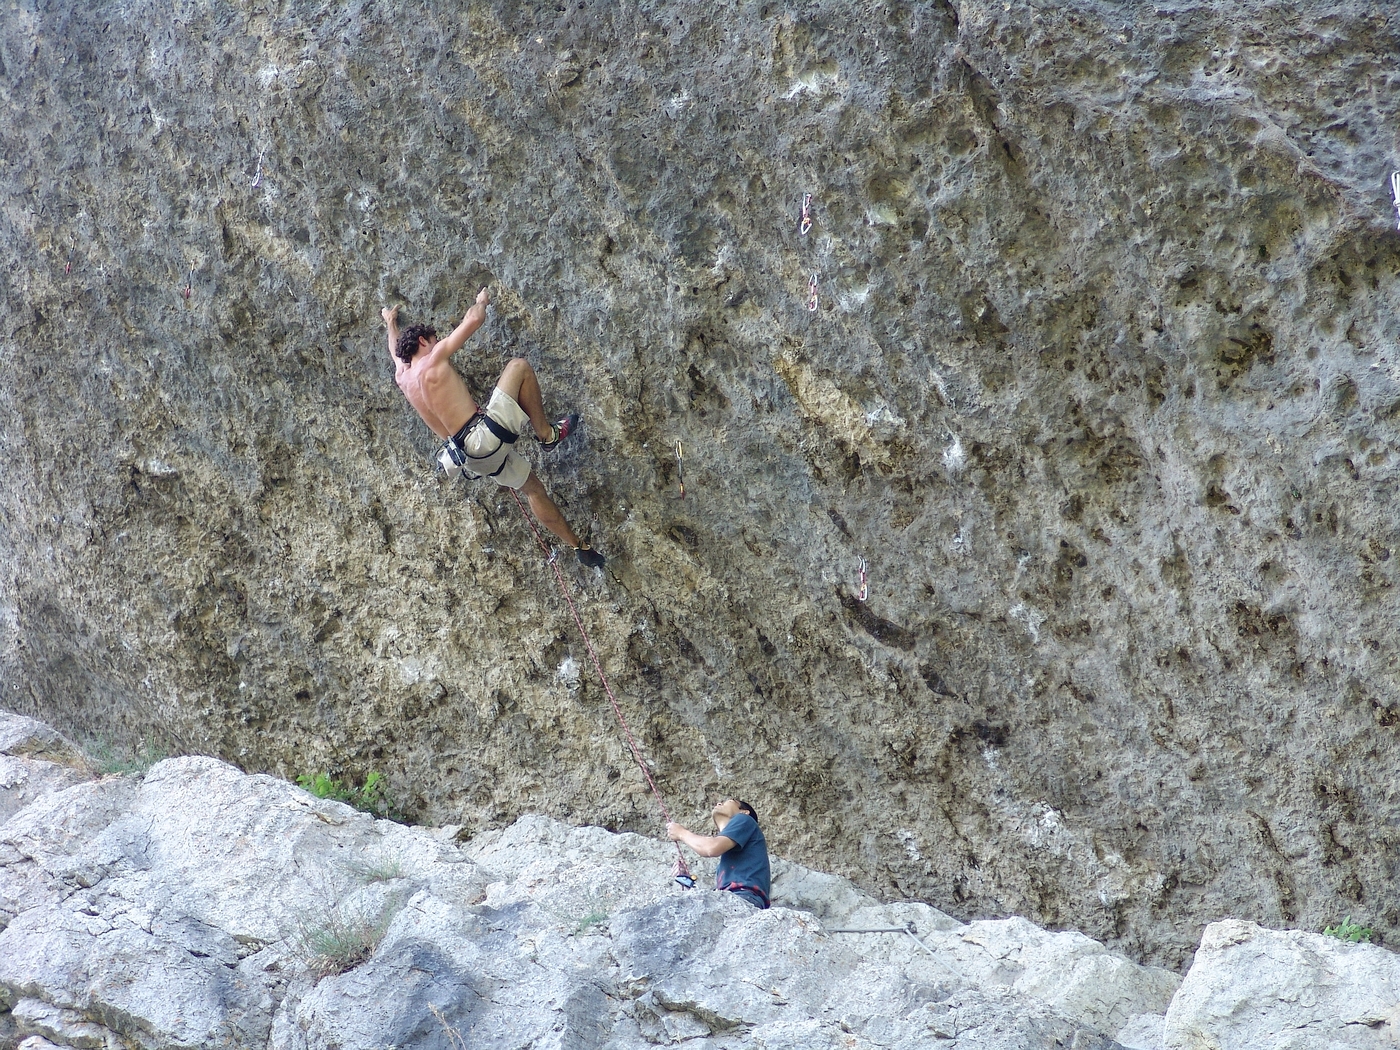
x: 812, y: 293
x: 806, y: 225
x: 680, y: 476
x: 864, y: 581
x: 1395, y: 194
x: 454, y: 458
x: 680, y: 872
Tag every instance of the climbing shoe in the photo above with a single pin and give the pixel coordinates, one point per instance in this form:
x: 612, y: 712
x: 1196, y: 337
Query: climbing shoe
x: 562, y: 429
x: 588, y: 556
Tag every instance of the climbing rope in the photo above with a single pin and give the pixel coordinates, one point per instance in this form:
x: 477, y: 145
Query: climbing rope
x: 681, y: 873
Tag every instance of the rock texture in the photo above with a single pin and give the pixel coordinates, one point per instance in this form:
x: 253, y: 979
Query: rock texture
x: 1101, y: 383
x: 34, y: 761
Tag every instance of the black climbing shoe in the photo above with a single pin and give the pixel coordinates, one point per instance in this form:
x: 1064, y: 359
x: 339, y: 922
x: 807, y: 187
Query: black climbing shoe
x: 588, y: 556
x: 562, y: 429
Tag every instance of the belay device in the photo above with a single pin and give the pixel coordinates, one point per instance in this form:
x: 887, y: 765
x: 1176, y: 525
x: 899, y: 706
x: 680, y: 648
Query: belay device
x: 684, y: 879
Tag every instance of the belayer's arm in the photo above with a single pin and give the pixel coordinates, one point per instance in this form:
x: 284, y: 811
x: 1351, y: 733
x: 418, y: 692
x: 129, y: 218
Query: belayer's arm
x: 464, y: 331
x: 705, y: 845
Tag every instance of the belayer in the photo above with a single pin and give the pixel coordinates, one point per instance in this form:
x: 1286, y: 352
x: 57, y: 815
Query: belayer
x: 482, y: 442
x: 740, y: 846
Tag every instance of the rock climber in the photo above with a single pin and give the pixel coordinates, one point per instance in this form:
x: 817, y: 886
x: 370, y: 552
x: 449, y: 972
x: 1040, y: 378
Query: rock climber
x: 740, y: 847
x: 482, y: 441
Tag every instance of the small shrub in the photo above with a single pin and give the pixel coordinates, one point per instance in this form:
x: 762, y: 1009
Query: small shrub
x: 337, y: 942
x: 370, y: 798
x: 1351, y: 932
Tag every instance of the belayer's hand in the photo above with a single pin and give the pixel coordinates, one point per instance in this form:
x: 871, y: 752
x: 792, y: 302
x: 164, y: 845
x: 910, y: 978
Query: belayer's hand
x: 673, y: 831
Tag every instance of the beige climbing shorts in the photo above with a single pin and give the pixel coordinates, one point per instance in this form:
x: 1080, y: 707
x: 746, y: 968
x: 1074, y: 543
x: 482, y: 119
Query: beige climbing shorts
x: 490, y: 457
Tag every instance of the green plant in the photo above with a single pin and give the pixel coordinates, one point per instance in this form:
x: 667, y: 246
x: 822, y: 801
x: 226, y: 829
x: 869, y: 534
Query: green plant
x: 1351, y: 932
x: 371, y: 797
x: 378, y: 869
x: 108, y: 759
x: 590, y: 920
x: 340, y: 941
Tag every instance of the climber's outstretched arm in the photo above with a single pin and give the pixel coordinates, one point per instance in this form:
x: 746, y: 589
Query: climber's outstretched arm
x: 464, y: 331
x: 391, y: 322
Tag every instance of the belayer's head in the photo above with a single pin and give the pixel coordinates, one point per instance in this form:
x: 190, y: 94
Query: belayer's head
x: 411, y: 340
x: 728, y: 809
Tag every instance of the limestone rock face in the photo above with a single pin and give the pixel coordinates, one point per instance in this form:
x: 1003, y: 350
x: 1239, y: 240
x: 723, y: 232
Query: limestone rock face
x: 34, y: 761
x: 199, y: 906
x: 1254, y: 988
x: 1100, y: 383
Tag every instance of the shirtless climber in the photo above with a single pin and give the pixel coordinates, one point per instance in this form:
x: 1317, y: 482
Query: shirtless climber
x: 743, y: 852
x: 483, y: 440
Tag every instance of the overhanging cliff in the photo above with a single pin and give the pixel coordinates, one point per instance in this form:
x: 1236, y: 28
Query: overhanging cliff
x: 1101, y: 383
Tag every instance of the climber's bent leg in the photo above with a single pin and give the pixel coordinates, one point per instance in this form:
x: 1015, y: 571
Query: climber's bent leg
x: 518, y: 381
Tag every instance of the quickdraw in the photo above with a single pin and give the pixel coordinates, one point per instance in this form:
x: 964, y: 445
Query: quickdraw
x: 69, y: 268
x: 257, y: 177
x: 189, y: 284
x: 680, y: 476
x: 864, y: 580
x: 1395, y: 194
x: 812, y: 294
x: 806, y: 225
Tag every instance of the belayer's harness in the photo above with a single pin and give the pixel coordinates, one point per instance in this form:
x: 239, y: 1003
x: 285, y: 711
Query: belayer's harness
x: 454, y: 458
x: 747, y: 889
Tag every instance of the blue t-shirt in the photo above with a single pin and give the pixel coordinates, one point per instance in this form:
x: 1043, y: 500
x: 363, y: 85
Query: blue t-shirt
x: 744, y: 868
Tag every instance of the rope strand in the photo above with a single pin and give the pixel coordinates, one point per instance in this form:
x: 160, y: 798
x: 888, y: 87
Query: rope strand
x: 598, y: 666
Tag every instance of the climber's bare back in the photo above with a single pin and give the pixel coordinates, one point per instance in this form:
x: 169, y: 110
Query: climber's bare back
x: 429, y: 381
x: 434, y: 388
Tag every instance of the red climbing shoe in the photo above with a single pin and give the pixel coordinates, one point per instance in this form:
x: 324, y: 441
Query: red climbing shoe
x: 562, y: 429
x: 588, y: 556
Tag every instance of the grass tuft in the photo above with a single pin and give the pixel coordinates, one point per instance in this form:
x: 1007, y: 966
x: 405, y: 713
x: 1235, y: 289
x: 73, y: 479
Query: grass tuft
x: 338, y: 941
x: 107, y: 759
x: 593, y: 918
x: 378, y: 869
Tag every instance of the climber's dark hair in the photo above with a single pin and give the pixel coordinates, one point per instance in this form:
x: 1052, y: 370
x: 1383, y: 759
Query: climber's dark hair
x: 744, y: 807
x: 408, y: 340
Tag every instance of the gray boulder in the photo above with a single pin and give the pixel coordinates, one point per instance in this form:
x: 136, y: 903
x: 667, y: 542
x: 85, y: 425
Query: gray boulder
x: 200, y: 906
x: 34, y: 760
x: 1256, y: 989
